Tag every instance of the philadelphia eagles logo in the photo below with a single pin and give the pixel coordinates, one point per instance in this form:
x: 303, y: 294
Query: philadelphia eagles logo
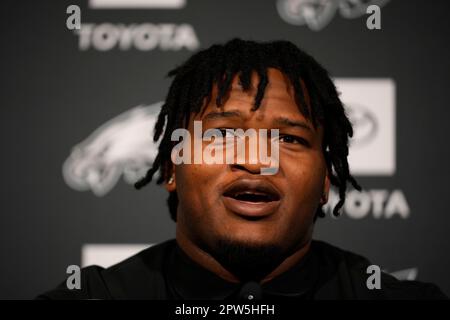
x: 316, y: 14
x: 122, y: 146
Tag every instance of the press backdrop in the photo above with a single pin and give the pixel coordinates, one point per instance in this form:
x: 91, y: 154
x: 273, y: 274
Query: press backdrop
x: 77, y: 109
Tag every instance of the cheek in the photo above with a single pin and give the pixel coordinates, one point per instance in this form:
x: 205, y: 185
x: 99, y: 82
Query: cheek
x: 304, y: 182
x: 195, y: 184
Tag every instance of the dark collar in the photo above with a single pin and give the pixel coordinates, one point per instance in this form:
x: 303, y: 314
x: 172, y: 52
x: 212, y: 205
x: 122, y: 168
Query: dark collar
x: 188, y: 280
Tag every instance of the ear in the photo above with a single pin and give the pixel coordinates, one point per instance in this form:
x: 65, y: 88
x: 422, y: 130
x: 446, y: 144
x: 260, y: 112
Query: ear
x: 326, y: 189
x: 171, y: 184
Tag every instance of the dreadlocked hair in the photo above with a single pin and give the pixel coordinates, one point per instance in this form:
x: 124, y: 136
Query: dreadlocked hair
x: 218, y: 65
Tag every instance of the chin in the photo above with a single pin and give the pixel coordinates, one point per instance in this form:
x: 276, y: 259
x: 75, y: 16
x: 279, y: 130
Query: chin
x: 246, y: 257
x: 255, y: 240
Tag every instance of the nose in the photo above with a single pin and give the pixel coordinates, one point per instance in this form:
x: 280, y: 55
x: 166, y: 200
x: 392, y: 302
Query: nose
x: 247, y: 167
x: 247, y: 157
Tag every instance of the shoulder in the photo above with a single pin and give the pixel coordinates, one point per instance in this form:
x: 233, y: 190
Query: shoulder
x: 351, y: 273
x: 130, y: 279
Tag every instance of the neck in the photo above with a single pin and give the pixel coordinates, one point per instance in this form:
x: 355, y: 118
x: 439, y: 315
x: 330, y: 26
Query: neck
x: 207, y: 261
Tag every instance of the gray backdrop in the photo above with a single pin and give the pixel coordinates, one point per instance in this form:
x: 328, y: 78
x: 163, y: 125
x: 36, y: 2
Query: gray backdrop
x: 58, y: 87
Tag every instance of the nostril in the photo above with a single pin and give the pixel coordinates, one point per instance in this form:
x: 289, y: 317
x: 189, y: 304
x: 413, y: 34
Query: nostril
x: 250, y: 168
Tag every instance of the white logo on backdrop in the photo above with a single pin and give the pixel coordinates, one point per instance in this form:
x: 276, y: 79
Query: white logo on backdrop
x: 406, y: 274
x: 106, y: 254
x: 139, y: 36
x: 142, y: 36
x: 370, y: 105
x: 123, y: 145
x: 316, y: 14
x: 365, y: 125
x: 377, y: 203
x: 137, y: 4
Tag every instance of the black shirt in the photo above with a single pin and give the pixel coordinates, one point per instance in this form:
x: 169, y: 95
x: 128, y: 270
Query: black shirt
x: 164, y: 272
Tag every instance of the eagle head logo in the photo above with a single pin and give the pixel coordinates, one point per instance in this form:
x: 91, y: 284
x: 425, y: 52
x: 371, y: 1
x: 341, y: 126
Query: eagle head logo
x: 122, y: 146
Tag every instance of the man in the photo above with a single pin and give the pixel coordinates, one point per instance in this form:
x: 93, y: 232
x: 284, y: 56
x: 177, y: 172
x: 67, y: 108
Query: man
x: 242, y: 234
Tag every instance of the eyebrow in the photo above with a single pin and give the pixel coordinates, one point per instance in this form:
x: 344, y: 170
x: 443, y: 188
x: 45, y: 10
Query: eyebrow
x: 282, y: 121
x: 222, y: 114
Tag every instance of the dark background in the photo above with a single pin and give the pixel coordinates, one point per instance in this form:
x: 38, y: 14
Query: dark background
x: 53, y: 95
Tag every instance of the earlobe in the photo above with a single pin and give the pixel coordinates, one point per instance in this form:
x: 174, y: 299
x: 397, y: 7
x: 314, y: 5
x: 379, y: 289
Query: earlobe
x: 326, y: 189
x: 324, y: 199
x: 171, y: 184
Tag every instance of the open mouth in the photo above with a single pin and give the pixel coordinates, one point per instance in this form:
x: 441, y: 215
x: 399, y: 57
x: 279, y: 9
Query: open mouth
x: 251, y: 198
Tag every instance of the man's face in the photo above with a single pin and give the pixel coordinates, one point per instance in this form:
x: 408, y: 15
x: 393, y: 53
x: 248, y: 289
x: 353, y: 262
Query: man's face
x: 235, y: 202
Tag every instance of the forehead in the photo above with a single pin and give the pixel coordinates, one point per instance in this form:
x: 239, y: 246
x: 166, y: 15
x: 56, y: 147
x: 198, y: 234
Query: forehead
x: 278, y: 88
x: 279, y: 98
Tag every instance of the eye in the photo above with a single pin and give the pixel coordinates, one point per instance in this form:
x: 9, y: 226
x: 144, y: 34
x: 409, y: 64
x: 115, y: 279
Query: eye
x: 227, y: 132
x: 287, y: 138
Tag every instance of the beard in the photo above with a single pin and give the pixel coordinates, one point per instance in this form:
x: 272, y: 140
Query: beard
x: 247, y: 261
